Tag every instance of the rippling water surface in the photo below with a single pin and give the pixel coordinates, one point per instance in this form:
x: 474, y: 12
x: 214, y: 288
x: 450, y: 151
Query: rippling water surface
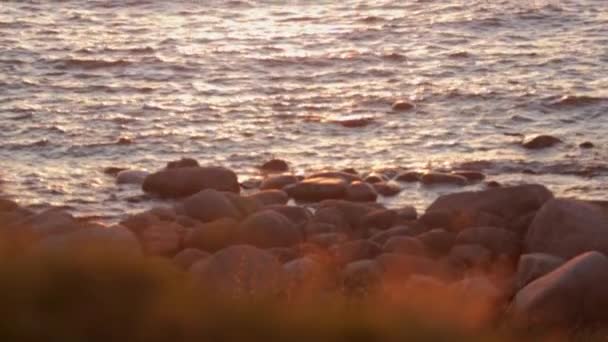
x: 238, y: 82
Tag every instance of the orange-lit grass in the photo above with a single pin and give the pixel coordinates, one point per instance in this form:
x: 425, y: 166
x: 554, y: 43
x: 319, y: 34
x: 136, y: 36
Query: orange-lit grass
x: 102, y: 294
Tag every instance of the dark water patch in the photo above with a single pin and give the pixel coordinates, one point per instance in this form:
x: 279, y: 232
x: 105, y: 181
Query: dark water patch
x: 89, y: 64
x: 568, y: 101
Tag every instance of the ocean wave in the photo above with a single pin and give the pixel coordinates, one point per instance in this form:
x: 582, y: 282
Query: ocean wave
x: 90, y: 64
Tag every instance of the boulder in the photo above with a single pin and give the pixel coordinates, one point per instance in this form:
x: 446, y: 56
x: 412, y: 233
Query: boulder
x: 471, y: 176
x: 278, y: 182
x: 464, y: 209
x: 473, y: 256
x: 404, y: 245
x: 270, y: 197
x: 383, y: 236
x: 162, y: 239
x: 438, y: 241
x: 374, y: 178
x: 432, y: 178
x: 541, y: 141
x: 402, y: 106
x: 275, y: 165
x: 244, y: 204
x: 346, y: 176
x: 573, y: 293
x: 212, y: 236
x: 497, y: 240
x: 317, y: 189
x: 184, y: 162
x: 52, y: 221
x: 298, y: 215
x: 188, y: 257
x: 380, y: 219
x: 397, y: 267
x: 305, y: 274
x: 566, y: 228
x: 533, y: 266
x: 360, y: 192
x: 241, y: 271
x: 210, y: 205
x: 409, y: 176
x: 268, y: 229
x: 284, y: 254
x: 387, y: 189
x: 327, y: 240
x: 352, y: 212
x: 407, y: 213
x: 355, y: 250
x: 186, y: 181
x: 586, y: 144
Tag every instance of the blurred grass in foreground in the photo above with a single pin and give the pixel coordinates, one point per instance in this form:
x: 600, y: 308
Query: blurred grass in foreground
x: 101, y: 294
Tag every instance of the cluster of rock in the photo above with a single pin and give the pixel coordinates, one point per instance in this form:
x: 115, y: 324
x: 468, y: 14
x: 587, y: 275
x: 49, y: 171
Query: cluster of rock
x: 537, y: 258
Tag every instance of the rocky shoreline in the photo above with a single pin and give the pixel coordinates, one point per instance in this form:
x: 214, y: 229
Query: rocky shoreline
x: 529, y: 257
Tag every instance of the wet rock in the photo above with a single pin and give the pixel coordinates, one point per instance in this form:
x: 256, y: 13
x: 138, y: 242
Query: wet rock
x: 275, y: 165
x: 188, y: 257
x: 473, y: 255
x: 471, y: 176
x: 355, y: 250
x: 432, y: 178
x: 407, y: 213
x: 298, y: 215
x: 409, y: 176
x: 533, y: 266
x: 351, y: 212
x: 7, y: 205
x: 438, y: 241
x: 521, y: 224
x: 387, y: 189
x: 212, y: 236
x: 162, y: 239
x: 210, y: 205
x: 317, y: 189
x: 113, y: 170
x: 381, y: 237
x: 124, y: 141
x: 186, y: 181
x: 402, y: 106
x: 497, y: 240
x: 541, y: 141
x: 184, y: 162
x: 493, y: 184
x: 270, y: 197
x: 380, y: 219
x: 404, y: 245
x: 462, y: 210
x: 351, y: 171
x: 375, y: 178
x: 131, y: 177
x: 244, y: 204
x: 360, y: 192
x: 278, y: 182
x: 586, y: 144
x: 347, y: 177
x: 572, y: 294
x: 268, y: 229
x: 354, y: 123
x: 241, y: 271
x: 567, y: 228
x: 251, y: 184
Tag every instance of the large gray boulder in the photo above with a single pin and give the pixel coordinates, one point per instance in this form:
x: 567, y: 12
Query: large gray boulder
x: 268, y: 229
x: 317, y: 189
x: 241, y: 271
x: 186, y: 181
x: 533, y: 266
x: 567, y: 228
x: 499, y: 241
x: 210, y: 205
x: 571, y: 294
x: 477, y: 208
